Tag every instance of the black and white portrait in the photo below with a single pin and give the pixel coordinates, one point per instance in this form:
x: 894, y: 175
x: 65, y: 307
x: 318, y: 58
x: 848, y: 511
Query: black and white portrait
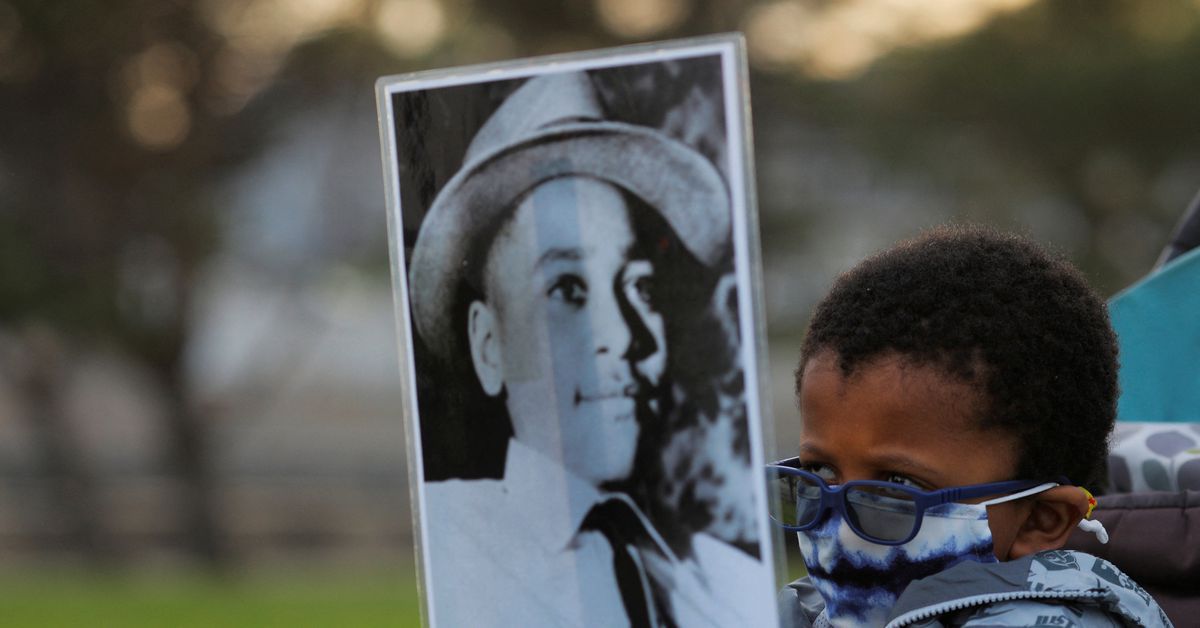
x: 573, y: 278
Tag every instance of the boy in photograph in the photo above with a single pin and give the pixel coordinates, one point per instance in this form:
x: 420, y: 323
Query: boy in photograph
x: 537, y: 265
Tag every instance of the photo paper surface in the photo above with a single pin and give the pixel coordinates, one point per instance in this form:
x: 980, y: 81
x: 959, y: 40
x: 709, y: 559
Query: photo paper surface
x: 575, y: 268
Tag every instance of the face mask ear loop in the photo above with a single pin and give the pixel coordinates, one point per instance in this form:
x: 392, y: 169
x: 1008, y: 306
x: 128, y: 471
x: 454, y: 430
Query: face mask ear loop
x: 1095, y: 527
x: 1085, y: 524
x: 1025, y: 493
x: 1091, y: 503
x: 1088, y: 524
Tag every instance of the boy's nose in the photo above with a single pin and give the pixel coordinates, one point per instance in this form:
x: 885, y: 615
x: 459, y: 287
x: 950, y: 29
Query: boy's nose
x: 611, y: 331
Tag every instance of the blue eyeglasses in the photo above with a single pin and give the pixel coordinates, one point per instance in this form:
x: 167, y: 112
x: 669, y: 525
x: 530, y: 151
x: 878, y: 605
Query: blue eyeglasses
x: 881, y: 512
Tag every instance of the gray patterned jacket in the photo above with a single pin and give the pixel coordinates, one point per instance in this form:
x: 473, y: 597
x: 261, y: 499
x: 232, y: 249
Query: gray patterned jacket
x: 1055, y: 588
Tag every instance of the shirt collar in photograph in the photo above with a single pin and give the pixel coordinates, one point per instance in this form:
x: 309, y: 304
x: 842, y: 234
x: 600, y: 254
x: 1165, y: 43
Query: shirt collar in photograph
x: 558, y: 500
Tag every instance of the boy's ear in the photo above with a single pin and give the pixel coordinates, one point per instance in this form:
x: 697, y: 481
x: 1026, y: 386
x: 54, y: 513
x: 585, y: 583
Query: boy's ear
x: 1049, y: 520
x: 485, y: 348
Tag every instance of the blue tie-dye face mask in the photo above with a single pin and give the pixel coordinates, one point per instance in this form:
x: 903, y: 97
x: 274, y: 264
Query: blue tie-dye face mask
x: 860, y: 580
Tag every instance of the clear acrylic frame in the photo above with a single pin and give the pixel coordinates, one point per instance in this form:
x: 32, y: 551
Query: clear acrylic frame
x: 684, y: 99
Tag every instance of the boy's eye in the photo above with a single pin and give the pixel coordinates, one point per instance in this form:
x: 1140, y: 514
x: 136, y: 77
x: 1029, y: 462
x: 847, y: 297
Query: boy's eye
x: 904, y: 480
x: 821, y: 470
x: 639, y: 283
x: 643, y: 287
x: 569, y: 289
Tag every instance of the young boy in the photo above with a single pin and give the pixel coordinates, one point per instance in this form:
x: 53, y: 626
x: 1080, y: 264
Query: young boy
x: 970, y: 360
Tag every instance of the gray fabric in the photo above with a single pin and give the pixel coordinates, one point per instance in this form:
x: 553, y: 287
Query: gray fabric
x: 1155, y: 538
x: 800, y: 604
x: 1055, y: 613
x: 1077, y: 589
x: 962, y: 581
x: 1154, y: 457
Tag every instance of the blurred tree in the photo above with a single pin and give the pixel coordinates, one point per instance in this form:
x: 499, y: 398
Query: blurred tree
x: 1088, y: 100
x: 108, y: 151
x: 121, y: 119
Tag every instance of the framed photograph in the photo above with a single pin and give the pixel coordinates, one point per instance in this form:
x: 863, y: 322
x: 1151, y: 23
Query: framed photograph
x: 575, y: 263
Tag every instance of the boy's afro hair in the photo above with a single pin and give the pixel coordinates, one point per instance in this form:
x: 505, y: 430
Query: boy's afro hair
x: 996, y: 311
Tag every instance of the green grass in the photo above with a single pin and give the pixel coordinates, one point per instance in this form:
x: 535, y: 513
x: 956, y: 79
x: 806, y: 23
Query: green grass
x: 51, y: 600
x: 178, y: 599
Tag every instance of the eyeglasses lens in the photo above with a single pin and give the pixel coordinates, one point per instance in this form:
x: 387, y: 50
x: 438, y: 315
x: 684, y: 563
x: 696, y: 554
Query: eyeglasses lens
x: 883, y: 513
x: 796, y: 501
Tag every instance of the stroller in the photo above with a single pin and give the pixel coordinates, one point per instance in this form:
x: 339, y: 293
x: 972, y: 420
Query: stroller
x: 1152, y: 503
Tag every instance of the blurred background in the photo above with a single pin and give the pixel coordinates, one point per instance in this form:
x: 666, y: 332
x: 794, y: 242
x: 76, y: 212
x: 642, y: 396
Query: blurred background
x: 199, y: 402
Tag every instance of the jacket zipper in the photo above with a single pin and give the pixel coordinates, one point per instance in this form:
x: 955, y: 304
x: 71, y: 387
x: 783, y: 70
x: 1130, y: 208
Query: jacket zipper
x: 921, y: 614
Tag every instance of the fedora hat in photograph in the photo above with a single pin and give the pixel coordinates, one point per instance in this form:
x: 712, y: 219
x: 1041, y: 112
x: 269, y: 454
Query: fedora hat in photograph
x: 550, y: 127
